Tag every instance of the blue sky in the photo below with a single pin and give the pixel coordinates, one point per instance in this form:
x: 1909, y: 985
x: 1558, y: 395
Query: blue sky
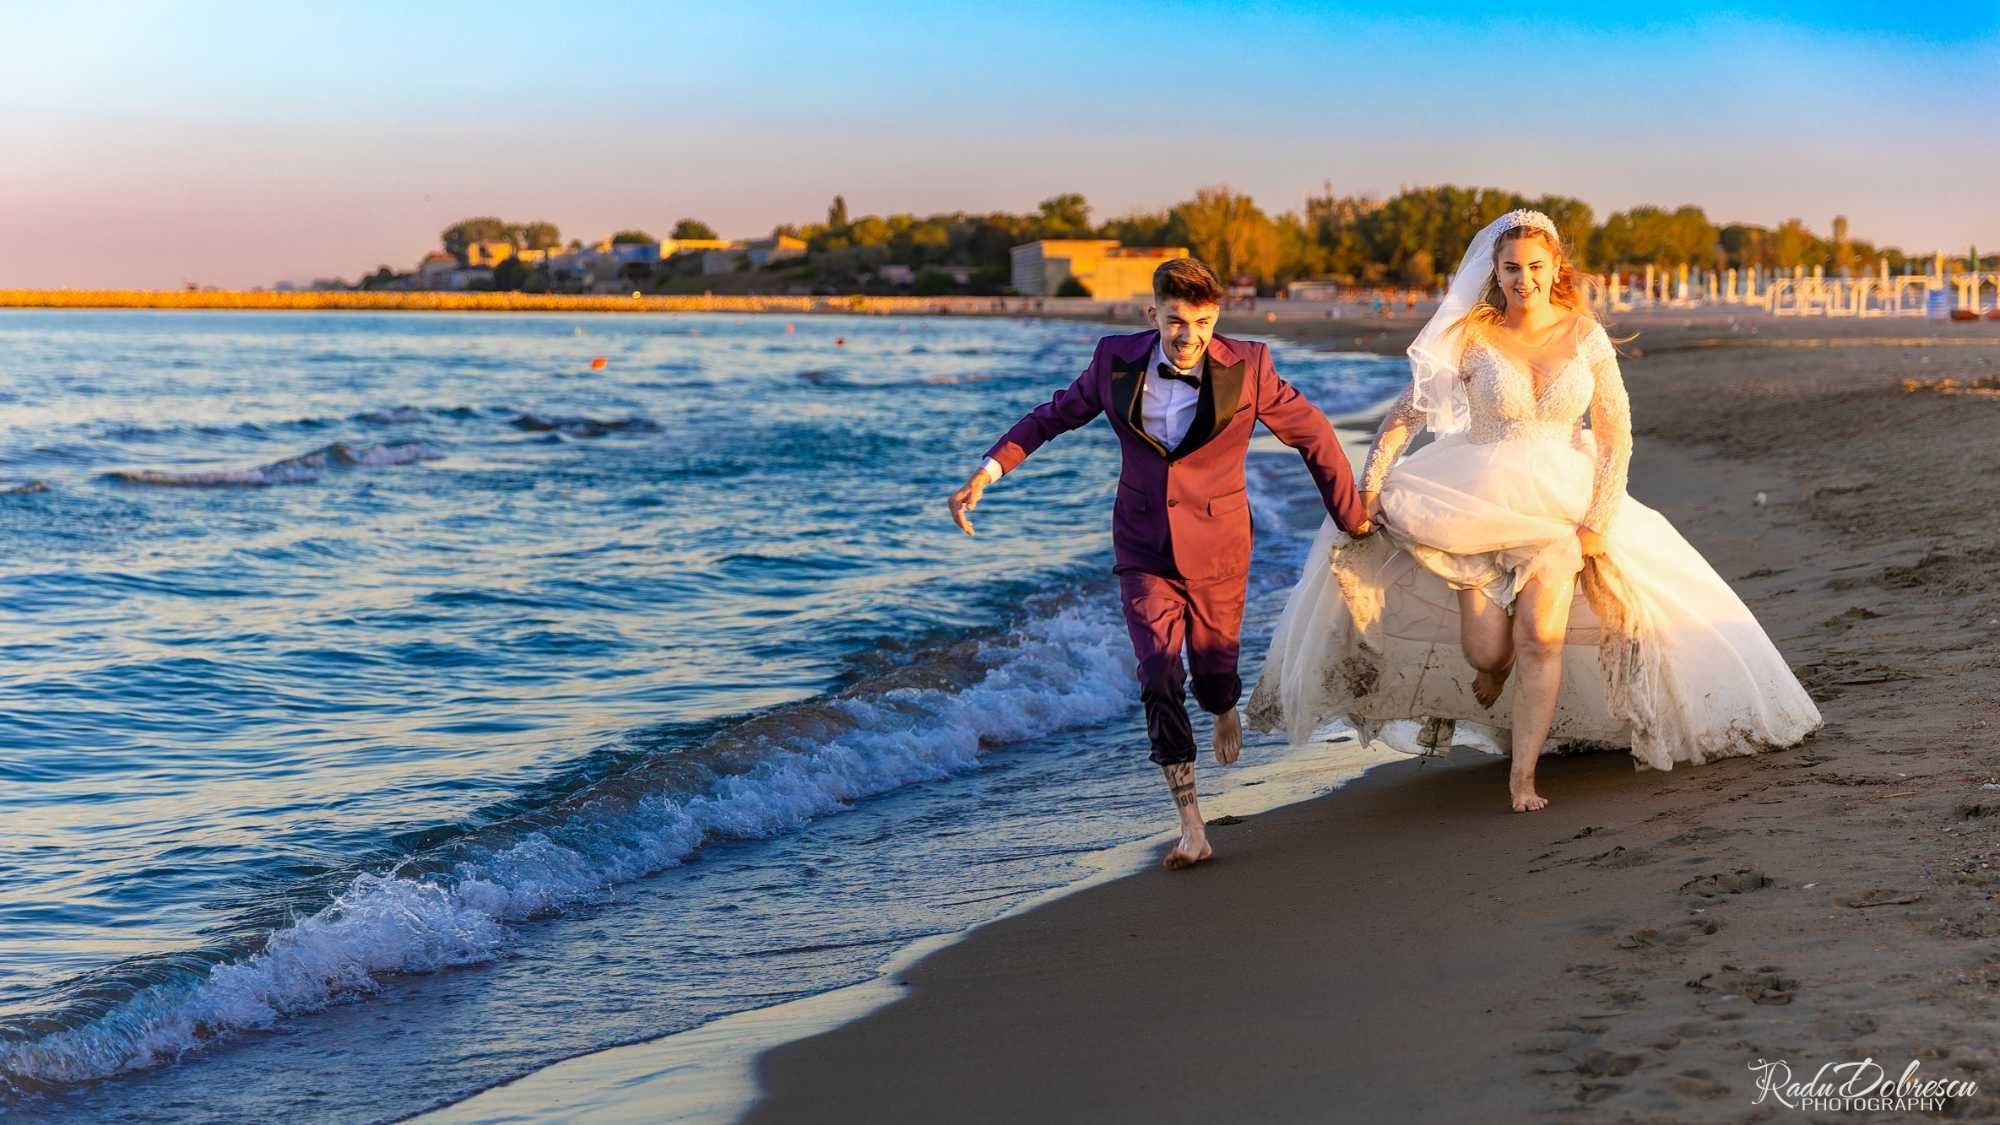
x: 239, y: 144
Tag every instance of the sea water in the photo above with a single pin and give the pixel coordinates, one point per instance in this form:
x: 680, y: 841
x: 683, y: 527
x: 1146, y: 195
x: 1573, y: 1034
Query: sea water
x: 392, y: 705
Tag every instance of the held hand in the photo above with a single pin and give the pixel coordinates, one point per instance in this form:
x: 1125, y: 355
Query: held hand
x: 966, y: 499
x: 1591, y: 541
x: 1371, y: 502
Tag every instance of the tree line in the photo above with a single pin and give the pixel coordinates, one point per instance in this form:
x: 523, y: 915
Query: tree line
x: 1414, y: 237
x: 540, y: 235
x: 1411, y: 238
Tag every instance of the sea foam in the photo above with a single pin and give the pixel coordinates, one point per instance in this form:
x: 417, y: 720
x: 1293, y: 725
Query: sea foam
x: 1066, y: 669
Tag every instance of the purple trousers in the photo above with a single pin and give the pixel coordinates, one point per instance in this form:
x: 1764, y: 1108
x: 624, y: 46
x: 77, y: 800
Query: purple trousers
x: 1162, y: 613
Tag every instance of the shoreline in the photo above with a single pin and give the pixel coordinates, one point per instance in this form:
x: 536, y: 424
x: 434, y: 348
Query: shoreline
x: 706, y: 1074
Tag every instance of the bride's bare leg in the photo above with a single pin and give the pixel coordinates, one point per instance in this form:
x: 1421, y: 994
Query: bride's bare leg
x: 1541, y: 616
x: 1486, y: 633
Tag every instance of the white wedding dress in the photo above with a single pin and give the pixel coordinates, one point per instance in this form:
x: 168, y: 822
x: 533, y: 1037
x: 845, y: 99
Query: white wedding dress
x: 1661, y: 656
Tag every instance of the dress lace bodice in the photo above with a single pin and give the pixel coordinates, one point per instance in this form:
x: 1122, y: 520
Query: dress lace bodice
x: 1501, y: 390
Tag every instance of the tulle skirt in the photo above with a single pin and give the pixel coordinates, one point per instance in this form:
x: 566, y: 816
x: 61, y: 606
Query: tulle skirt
x: 1660, y: 655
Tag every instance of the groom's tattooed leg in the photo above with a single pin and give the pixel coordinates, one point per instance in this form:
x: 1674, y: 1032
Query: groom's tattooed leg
x: 1193, y: 846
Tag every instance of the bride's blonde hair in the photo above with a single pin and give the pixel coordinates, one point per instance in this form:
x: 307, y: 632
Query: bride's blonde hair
x: 1572, y: 290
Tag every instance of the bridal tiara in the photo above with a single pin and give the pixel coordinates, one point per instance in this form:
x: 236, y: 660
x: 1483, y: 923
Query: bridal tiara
x: 1526, y: 218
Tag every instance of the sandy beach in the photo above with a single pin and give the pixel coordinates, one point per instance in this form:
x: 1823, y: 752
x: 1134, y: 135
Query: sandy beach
x: 1405, y: 949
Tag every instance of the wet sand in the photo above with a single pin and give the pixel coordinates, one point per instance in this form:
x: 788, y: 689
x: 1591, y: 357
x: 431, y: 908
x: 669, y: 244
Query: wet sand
x: 1406, y: 949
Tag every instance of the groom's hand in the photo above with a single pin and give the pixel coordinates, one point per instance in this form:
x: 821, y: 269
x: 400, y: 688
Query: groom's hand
x: 967, y: 498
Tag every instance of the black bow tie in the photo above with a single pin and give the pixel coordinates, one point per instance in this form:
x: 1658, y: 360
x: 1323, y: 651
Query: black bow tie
x: 1167, y: 372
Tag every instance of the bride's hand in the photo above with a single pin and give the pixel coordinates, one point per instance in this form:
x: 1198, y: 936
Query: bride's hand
x: 1592, y: 542
x: 1371, y: 502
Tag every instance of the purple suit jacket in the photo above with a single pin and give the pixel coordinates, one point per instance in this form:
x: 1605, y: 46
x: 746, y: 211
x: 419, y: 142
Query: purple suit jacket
x: 1184, y: 510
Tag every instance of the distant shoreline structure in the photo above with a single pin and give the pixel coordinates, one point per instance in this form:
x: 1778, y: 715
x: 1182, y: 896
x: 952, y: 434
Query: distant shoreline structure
x: 429, y: 301
x: 1933, y: 296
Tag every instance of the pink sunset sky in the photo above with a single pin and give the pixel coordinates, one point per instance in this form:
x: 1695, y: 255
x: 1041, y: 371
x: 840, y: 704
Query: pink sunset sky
x: 234, y: 145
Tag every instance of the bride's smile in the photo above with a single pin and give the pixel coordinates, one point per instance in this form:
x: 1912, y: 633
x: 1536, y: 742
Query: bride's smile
x: 1523, y: 269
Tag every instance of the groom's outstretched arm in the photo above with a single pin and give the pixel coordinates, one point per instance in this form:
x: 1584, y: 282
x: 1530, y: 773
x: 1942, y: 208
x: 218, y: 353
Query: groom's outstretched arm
x: 1299, y: 424
x: 1071, y: 407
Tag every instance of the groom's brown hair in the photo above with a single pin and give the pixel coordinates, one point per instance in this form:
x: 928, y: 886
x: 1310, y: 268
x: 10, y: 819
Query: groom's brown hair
x: 1186, y: 279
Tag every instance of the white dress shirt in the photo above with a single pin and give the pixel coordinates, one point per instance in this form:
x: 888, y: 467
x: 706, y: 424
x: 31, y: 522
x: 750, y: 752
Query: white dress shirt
x: 1166, y: 410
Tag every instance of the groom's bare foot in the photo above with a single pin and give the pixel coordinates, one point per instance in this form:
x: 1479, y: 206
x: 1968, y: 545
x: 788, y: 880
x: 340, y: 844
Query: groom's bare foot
x: 1228, y: 736
x: 1486, y: 686
x: 1192, y: 849
x: 1522, y: 790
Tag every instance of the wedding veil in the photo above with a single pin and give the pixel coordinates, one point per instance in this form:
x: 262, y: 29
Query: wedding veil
x: 1438, y: 390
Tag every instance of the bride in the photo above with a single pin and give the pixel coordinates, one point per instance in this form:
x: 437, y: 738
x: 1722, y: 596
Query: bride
x: 1480, y: 541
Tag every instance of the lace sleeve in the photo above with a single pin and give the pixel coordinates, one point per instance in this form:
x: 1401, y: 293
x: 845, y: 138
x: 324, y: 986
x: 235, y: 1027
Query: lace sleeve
x: 1403, y: 422
x: 1611, y: 426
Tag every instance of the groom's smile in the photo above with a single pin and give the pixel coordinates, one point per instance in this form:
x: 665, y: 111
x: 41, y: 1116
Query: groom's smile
x: 1185, y: 329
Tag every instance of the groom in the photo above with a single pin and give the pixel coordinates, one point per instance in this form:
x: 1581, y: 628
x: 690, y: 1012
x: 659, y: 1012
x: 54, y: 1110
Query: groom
x: 1182, y: 402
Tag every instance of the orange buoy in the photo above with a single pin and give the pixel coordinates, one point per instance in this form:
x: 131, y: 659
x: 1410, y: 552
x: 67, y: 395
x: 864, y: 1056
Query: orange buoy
x: 840, y: 341
x: 788, y: 328
x: 1270, y: 318
x: 597, y: 363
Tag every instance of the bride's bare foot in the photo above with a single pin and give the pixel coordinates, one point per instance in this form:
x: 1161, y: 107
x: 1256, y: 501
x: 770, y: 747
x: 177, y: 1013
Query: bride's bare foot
x: 1228, y: 736
x: 1486, y: 685
x: 1192, y: 849
x: 1522, y: 789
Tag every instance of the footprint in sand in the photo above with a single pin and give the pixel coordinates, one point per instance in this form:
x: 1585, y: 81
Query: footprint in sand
x: 1743, y: 880
x: 1561, y: 1039
x: 1673, y: 937
x: 1599, y: 1063
x: 1702, y: 835
x: 1697, y: 1084
x: 1764, y: 985
x: 1590, y: 1093
x: 1622, y: 857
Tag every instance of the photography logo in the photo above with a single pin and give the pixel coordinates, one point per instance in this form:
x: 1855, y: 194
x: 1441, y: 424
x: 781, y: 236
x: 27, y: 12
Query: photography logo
x: 1858, y: 1086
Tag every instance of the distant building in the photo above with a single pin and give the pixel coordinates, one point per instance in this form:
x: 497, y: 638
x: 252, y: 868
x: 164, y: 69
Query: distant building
x: 724, y: 259
x: 672, y: 246
x: 434, y: 269
x: 906, y: 276
x: 1315, y: 291
x: 1110, y: 271
x: 487, y: 254
x: 628, y: 253
x: 777, y: 248
x: 725, y: 255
